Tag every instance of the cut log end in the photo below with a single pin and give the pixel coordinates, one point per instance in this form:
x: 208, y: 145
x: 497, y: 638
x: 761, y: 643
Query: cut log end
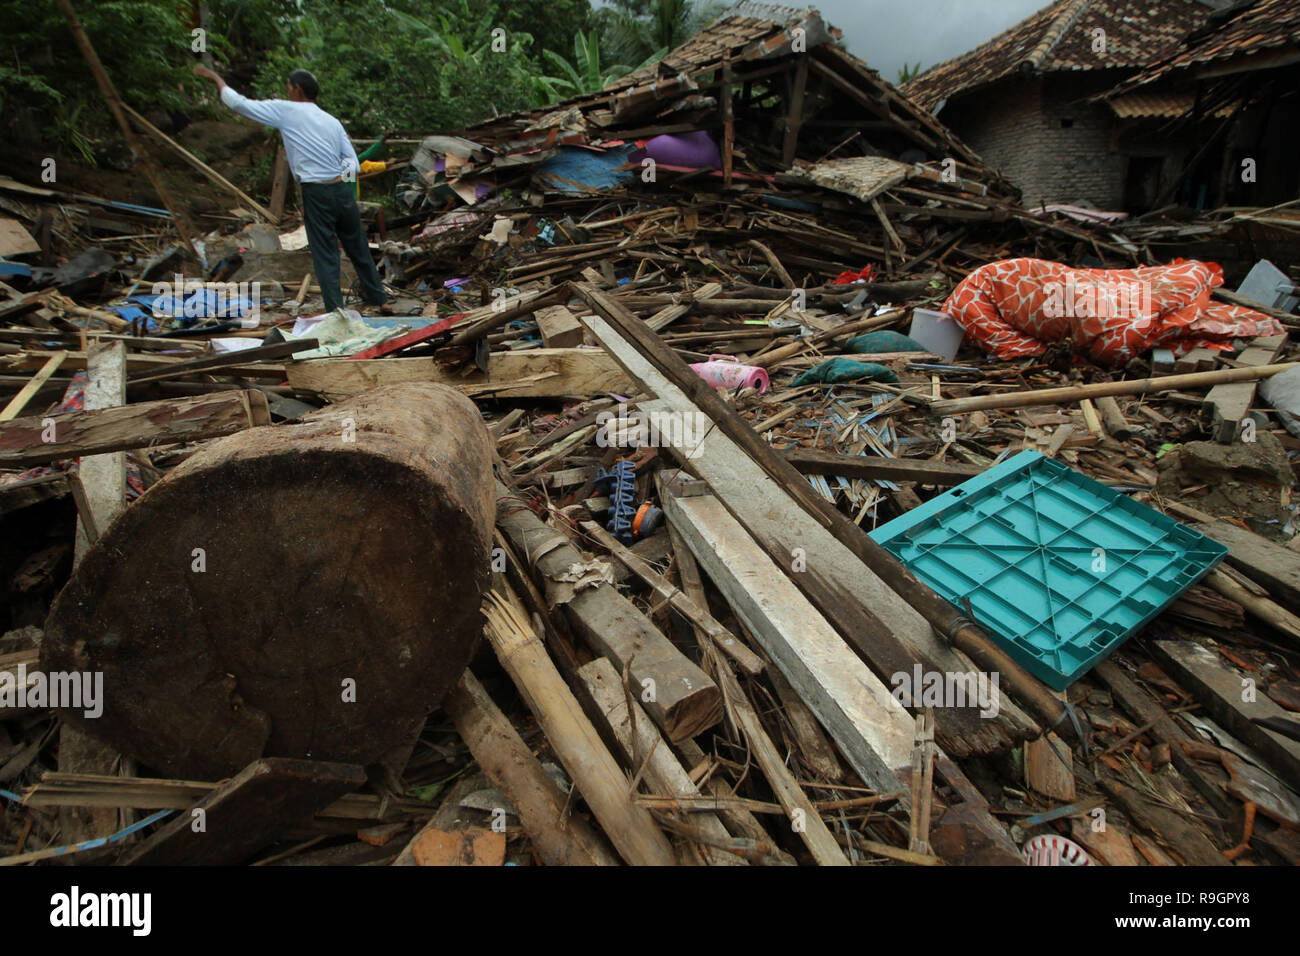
x: 309, y: 591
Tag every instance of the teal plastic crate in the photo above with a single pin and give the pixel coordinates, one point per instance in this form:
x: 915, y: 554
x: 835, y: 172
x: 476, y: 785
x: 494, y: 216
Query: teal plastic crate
x: 1060, y: 569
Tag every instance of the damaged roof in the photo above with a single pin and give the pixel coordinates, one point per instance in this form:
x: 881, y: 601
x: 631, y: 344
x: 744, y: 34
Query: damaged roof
x: 1255, y: 34
x: 1060, y: 38
x: 681, y: 92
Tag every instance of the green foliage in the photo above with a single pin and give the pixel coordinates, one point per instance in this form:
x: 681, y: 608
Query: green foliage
x: 582, y: 74
x: 909, y: 72
x: 635, y: 30
x: 412, y: 66
x: 143, y: 44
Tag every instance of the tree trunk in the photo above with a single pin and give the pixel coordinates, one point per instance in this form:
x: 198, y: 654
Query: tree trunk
x: 308, y: 590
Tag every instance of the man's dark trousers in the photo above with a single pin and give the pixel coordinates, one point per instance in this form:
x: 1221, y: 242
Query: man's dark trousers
x: 331, y: 214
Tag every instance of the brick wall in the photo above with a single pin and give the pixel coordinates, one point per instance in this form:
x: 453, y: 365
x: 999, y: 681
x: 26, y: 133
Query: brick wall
x: 1040, y: 136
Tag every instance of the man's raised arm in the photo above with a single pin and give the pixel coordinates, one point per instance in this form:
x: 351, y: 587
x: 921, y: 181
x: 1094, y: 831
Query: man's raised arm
x: 266, y: 112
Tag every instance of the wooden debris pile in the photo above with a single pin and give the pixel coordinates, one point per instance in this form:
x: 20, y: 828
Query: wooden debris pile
x: 691, y: 649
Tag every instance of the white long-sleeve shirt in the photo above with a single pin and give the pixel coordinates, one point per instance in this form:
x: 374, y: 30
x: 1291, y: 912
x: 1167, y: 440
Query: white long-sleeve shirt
x: 315, y: 143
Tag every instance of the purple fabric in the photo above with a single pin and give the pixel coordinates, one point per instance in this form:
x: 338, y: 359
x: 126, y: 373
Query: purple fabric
x: 685, y: 149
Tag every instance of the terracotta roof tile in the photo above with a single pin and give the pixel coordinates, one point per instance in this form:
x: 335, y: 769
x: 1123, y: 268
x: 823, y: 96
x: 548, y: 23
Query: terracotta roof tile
x: 1060, y: 37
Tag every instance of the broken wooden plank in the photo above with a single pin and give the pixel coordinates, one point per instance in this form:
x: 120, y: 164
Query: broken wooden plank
x: 887, y: 632
x: 813, y: 462
x: 686, y: 701
x: 1172, y: 830
x: 1073, y: 393
x: 247, y: 813
x: 697, y: 614
x: 560, y: 838
x: 1229, y: 403
x: 870, y: 726
x: 19, y: 401
x: 1142, y: 707
x: 1269, y: 564
x: 559, y: 328
x: 546, y: 373
x: 38, y: 441
x: 1232, y: 700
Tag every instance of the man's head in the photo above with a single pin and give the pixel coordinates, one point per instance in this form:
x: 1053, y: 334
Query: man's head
x: 303, y: 87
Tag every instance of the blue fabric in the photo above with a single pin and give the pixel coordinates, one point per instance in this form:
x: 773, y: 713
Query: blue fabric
x: 315, y: 143
x: 576, y: 170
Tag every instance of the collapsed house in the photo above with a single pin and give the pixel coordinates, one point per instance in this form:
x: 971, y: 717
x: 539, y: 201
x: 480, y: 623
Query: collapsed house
x: 1129, y: 106
x: 762, y: 579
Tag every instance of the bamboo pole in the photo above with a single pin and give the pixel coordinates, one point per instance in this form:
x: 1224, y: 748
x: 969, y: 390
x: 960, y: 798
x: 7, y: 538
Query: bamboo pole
x: 848, y: 328
x: 595, y: 773
x: 1267, y: 610
x: 643, y: 749
x: 559, y: 838
x: 200, y: 165
x: 1073, y: 393
x: 115, y: 106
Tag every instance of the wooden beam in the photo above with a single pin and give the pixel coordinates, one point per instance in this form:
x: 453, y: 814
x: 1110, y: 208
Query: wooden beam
x: 19, y: 401
x: 541, y: 373
x: 686, y: 702
x: 115, y: 105
x: 1232, y: 702
x: 279, y: 184
x: 57, y: 789
x: 872, y: 729
x: 812, y: 462
x: 168, y: 421
x: 698, y: 614
x: 571, y: 735
x: 559, y: 837
x: 1269, y: 564
x: 794, y: 118
x: 886, y: 631
x: 247, y: 813
x: 201, y: 166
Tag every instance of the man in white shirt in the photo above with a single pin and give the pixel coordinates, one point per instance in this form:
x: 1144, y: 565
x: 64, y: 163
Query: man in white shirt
x: 324, y: 162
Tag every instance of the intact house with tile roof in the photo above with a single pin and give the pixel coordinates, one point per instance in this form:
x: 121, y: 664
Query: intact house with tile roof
x: 1032, y: 103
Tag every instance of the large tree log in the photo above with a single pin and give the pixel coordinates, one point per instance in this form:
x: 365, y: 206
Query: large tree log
x: 308, y: 590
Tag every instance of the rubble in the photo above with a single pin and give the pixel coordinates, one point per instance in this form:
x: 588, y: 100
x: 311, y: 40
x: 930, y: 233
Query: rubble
x: 691, y: 638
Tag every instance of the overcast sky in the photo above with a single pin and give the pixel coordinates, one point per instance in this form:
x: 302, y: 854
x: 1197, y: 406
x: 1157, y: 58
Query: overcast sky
x: 889, y: 33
